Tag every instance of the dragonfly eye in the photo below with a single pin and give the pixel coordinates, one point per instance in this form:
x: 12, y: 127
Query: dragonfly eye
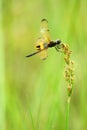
x: 58, y: 41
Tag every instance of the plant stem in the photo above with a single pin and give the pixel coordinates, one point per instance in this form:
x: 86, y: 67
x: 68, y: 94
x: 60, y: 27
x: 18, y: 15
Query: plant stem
x: 67, y: 114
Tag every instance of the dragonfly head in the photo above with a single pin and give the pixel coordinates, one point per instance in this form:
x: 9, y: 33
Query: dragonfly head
x: 58, y: 41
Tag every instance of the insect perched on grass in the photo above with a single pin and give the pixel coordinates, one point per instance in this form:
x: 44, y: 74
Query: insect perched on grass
x: 44, y: 42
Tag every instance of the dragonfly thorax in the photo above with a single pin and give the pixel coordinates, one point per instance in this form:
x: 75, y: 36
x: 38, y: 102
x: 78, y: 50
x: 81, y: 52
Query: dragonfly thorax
x: 54, y: 43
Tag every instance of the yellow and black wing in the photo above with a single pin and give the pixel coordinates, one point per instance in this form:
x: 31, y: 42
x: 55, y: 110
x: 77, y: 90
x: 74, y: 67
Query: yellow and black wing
x: 44, y: 31
x: 42, y: 43
x: 44, y: 40
x: 41, y: 46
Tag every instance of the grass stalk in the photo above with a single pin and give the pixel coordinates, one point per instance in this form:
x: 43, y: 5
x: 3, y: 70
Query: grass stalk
x: 67, y: 114
x: 69, y: 77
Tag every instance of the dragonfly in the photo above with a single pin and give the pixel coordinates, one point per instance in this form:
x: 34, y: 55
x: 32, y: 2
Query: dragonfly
x: 44, y: 41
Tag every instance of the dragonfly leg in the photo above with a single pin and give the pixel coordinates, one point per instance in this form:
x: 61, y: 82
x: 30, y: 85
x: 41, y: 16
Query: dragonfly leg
x: 58, y: 48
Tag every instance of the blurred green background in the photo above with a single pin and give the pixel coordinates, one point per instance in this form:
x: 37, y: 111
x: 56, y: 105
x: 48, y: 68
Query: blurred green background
x: 32, y: 91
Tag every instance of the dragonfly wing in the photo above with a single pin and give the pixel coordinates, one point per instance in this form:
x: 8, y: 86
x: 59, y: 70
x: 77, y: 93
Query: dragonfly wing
x: 44, y: 40
x: 45, y: 31
x: 43, y: 54
x: 39, y: 44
